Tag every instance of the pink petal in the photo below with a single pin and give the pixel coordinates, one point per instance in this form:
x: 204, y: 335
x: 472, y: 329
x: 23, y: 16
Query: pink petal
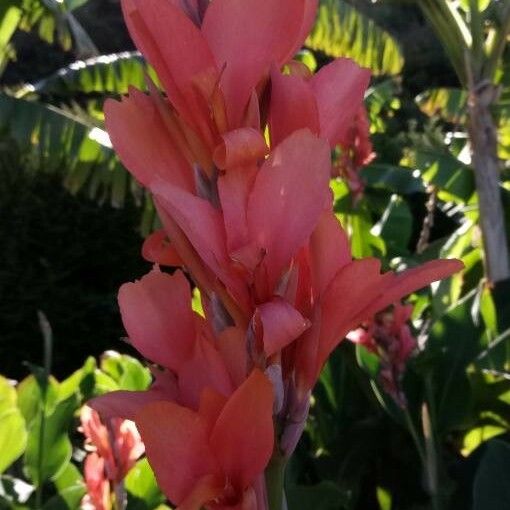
x: 339, y: 88
x: 126, y: 404
x: 207, y: 489
x: 282, y: 324
x: 239, y: 148
x: 234, y: 188
x: 198, y: 219
x: 177, y: 447
x: 157, y: 315
x: 409, y: 281
x: 310, y: 13
x: 157, y: 249
x: 329, y: 250
x: 293, y: 106
x: 232, y: 347
x: 204, y: 369
x: 288, y: 197
x: 141, y: 140
x: 180, y: 55
x: 243, y: 437
x: 246, y: 36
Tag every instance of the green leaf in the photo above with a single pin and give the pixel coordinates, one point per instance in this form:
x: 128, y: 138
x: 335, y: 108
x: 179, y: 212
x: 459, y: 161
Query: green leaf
x: 491, y: 488
x: 49, y: 448
x: 396, y: 179
x: 126, y: 371
x: 106, y: 74
x: 342, y: 31
x: 395, y: 226
x: 13, y: 434
x: 30, y: 399
x: 453, y: 344
x: 142, y: 488
x: 10, y: 16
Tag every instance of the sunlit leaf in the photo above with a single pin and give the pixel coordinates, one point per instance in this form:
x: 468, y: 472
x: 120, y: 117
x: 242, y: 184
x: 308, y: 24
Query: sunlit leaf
x: 342, y: 31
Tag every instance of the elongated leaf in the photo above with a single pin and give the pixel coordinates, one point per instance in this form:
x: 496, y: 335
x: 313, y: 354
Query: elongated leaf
x: 343, y: 31
x: 106, y: 74
x: 10, y: 15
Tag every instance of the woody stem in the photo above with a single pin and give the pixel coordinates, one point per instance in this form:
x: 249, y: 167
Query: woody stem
x: 275, y: 475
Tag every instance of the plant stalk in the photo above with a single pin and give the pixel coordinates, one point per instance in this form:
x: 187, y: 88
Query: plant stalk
x: 275, y: 476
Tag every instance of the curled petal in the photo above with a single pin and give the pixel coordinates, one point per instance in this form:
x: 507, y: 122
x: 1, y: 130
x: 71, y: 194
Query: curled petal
x: 281, y: 324
x: 240, y: 148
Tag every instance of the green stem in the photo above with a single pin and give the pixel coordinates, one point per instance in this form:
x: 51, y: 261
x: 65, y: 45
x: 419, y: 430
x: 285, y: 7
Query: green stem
x: 275, y: 475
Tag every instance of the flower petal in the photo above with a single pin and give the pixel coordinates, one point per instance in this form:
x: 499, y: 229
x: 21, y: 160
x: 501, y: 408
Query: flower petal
x: 281, y: 323
x: 177, y: 447
x: 204, y: 369
x: 142, y: 142
x: 246, y: 36
x: 339, y: 88
x: 175, y: 47
x: 243, y: 437
x: 329, y: 251
x: 240, y: 147
x: 288, y: 197
x: 293, y: 106
x: 157, y: 249
x: 156, y: 312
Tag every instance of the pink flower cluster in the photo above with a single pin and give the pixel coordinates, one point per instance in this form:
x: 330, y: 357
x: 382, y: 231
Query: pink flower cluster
x: 114, y: 447
x: 235, y: 150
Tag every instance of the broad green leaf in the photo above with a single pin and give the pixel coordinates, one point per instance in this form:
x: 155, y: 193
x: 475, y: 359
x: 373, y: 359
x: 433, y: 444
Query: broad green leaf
x: 491, y: 488
x: 342, y: 31
x: 453, y: 343
x: 81, y: 382
x: 13, y: 434
x: 30, y: 399
x: 126, y: 371
x: 49, y: 448
x: 142, y: 488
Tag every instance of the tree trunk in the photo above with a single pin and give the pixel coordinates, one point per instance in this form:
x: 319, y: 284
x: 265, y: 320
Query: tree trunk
x: 483, y: 138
